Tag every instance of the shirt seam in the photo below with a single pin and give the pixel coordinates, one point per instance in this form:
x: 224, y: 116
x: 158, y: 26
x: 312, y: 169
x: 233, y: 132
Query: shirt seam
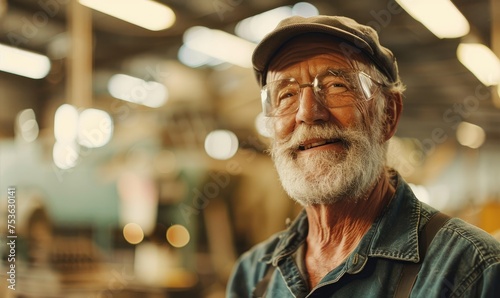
x: 470, y: 279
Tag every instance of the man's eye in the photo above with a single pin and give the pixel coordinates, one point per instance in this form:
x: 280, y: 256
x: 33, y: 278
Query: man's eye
x: 286, y: 94
x: 334, y: 87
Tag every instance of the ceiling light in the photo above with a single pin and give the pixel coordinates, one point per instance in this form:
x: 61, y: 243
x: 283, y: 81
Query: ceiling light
x: 304, y: 9
x: 481, y: 61
x: 148, y: 14
x: 220, y: 45
x: 151, y: 94
x: 470, y: 135
x: 256, y: 27
x: 441, y: 17
x: 193, y: 58
x: 23, y: 63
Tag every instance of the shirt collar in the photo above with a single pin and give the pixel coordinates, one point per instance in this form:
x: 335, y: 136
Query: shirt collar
x: 393, y: 235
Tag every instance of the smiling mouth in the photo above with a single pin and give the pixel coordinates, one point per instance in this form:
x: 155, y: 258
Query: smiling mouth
x: 303, y: 147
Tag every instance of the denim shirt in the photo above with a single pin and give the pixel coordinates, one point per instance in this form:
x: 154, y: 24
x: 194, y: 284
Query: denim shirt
x: 462, y: 261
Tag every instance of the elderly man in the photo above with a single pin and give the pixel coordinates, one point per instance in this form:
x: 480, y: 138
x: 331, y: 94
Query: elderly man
x: 333, y: 98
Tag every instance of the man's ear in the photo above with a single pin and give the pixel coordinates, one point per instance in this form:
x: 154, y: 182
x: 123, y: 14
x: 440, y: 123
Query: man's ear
x: 393, y: 111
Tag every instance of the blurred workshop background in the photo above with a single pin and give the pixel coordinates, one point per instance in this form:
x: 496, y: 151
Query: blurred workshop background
x: 131, y: 131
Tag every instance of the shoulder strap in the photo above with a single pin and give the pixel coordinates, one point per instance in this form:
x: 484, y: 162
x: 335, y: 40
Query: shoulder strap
x: 410, y: 270
x: 261, y: 287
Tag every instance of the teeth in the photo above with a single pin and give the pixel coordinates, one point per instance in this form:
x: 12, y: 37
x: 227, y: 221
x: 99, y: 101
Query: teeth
x: 309, y: 146
x: 316, y: 144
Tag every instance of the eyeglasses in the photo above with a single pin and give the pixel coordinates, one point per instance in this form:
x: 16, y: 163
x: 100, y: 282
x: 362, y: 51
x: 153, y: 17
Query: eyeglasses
x: 333, y: 88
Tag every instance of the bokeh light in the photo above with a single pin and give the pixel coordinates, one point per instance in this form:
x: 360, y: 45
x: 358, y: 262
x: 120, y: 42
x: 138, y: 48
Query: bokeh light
x: 26, y: 125
x: 178, y: 236
x: 470, y: 135
x: 221, y: 144
x: 95, y: 128
x: 133, y: 233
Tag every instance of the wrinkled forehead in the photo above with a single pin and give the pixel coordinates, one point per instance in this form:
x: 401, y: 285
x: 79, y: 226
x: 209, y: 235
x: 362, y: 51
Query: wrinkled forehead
x: 337, y: 52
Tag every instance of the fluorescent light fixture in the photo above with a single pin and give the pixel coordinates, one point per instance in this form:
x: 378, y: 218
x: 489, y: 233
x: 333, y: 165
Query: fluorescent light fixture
x: 95, y: 128
x: 147, y: 14
x: 66, y: 123
x: 194, y: 59
x: 441, y: 17
x: 481, y: 61
x: 23, y: 63
x: 151, y: 94
x: 304, y: 9
x: 220, y: 45
x: 256, y: 27
x: 470, y: 135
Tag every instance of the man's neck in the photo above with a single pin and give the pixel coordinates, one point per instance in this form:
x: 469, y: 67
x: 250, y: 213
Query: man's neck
x: 335, y: 230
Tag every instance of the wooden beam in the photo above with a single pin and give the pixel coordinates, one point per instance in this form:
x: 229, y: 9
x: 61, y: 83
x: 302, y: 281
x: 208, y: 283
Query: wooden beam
x: 79, y: 63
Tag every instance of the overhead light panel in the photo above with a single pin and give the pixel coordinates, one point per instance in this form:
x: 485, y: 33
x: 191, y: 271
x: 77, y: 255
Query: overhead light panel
x: 23, y: 63
x: 441, y: 17
x: 220, y: 45
x: 481, y: 61
x: 256, y: 27
x: 193, y: 58
x: 151, y: 94
x: 147, y: 14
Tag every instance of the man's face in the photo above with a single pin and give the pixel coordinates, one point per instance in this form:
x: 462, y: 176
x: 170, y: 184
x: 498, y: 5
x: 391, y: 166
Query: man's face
x: 324, y: 155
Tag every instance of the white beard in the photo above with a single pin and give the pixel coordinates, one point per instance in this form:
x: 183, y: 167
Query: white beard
x: 329, y: 177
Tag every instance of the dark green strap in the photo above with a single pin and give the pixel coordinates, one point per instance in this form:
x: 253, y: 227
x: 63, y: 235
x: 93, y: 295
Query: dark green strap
x: 410, y: 270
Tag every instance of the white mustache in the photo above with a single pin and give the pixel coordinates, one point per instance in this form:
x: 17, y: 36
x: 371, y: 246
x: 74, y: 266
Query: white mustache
x: 327, y: 132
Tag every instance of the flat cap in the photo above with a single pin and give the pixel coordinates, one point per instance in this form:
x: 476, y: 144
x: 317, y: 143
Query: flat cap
x: 360, y: 36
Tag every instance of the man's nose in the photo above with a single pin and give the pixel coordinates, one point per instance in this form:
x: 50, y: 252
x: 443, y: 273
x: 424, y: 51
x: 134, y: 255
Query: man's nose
x: 311, y: 111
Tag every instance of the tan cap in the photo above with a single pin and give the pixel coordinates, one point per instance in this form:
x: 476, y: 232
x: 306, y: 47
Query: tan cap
x: 362, y: 37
